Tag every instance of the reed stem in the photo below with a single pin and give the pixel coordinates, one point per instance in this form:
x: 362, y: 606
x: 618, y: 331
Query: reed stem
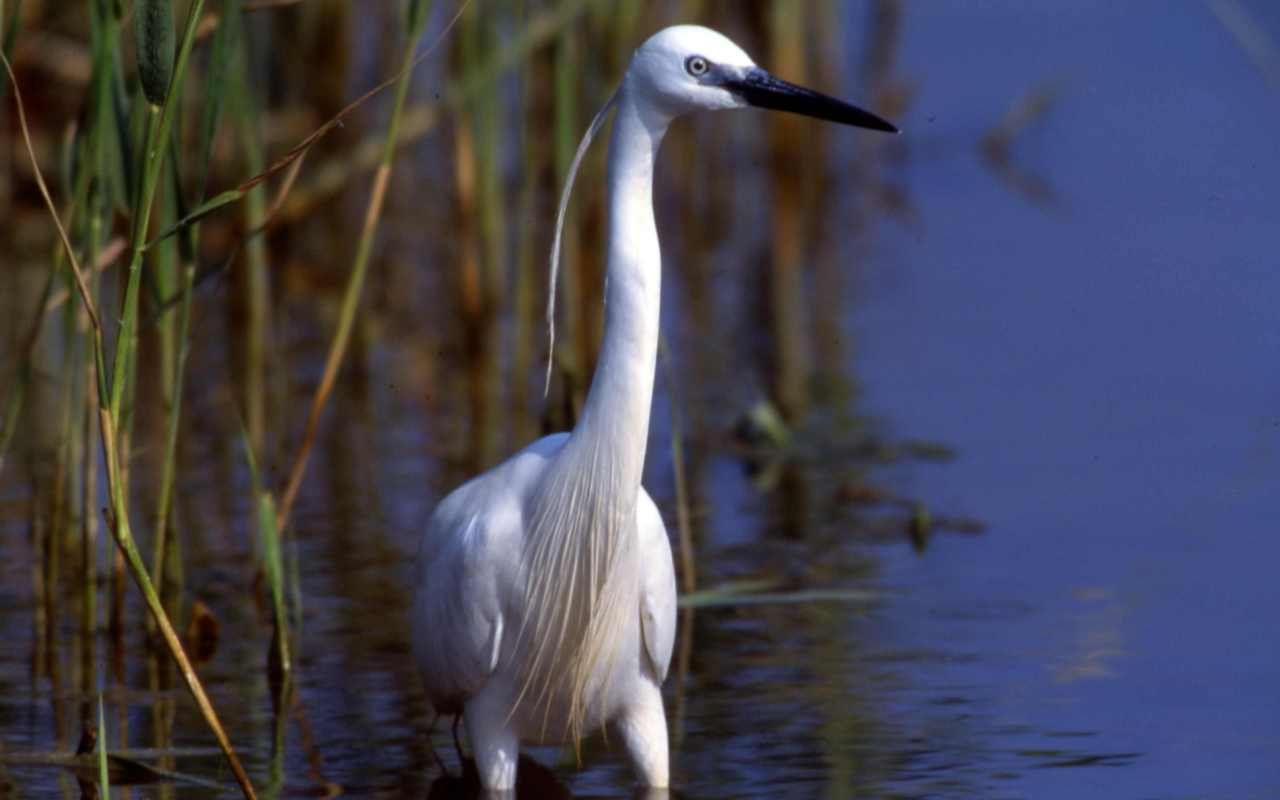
x: 684, y: 525
x: 158, y: 126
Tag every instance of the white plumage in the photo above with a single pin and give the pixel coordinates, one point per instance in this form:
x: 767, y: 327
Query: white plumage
x: 545, y: 599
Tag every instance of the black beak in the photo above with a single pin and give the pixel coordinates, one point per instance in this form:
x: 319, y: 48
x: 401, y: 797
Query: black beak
x: 763, y: 90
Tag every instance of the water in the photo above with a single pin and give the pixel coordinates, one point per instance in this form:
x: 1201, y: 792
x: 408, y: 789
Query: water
x: 1109, y: 373
x: 1101, y: 357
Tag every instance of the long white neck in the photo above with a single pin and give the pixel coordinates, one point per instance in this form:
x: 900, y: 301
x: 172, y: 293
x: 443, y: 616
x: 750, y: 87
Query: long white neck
x: 582, y: 559
x: 615, y: 418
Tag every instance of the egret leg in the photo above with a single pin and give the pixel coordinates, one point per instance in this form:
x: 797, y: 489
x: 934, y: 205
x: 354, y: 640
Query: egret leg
x: 457, y: 743
x: 494, y: 742
x: 432, y: 748
x: 643, y: 728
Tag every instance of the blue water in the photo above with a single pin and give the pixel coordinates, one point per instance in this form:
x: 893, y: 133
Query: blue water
x: 1109, y: 371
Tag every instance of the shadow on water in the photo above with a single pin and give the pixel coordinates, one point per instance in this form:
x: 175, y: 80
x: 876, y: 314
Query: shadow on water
x: 532, y: 780
x: 832, y: 642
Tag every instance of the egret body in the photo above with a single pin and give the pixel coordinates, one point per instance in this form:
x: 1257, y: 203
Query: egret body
x: 545, y: 603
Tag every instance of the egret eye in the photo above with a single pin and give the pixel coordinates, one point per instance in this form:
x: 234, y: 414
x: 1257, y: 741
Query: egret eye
x: 696, y: 66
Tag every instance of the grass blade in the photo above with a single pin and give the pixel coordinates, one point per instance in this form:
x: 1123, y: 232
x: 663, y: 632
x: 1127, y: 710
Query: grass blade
x: 272, y: 562
x: 104, y: 778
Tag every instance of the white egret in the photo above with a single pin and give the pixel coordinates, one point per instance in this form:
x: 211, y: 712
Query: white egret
x: 545, y: 600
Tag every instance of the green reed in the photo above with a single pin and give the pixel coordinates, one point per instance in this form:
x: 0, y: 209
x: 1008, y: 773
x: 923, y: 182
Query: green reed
x: 104, y: 777
x: 175, y: 336
x: 162, y: 67
x: 176, y: 277
x: 174, y: 347
x: 684, y: 520
x: 161, y: 72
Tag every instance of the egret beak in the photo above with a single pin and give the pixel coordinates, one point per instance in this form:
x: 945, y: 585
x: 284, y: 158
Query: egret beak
x: 758, y: 88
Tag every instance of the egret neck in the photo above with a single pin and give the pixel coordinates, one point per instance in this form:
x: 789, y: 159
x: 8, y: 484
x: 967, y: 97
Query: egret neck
x: 615, y: 418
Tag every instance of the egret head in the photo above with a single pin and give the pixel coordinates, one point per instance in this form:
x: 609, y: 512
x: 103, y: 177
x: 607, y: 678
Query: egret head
x: 689, y: 68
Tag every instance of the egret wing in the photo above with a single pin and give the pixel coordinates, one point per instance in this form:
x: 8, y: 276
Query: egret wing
x: 468, y: 570
x: 658, y: 590
x: 458, y: 614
